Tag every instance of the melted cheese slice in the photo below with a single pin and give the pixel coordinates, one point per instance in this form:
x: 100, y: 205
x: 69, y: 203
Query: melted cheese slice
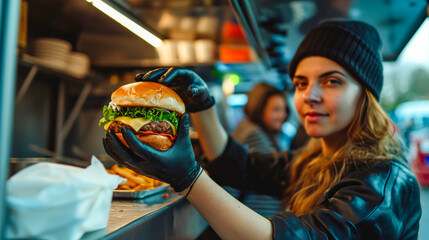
x: 135, y: 123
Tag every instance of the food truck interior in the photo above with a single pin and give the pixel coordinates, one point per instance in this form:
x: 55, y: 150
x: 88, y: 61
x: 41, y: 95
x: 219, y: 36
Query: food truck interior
x: 236, y: 43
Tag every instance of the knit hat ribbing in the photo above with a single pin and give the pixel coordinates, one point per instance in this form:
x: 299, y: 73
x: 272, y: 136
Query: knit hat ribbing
x: 354, y: 45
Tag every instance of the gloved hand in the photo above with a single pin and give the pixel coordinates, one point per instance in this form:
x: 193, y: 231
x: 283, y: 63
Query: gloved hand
x: 176, y: 166
x: 190, y: 87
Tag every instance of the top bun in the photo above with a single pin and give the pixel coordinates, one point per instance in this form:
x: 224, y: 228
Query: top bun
x: 148, y: 94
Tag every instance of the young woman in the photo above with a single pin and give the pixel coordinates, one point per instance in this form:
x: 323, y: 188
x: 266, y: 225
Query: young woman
x: 349, y: 182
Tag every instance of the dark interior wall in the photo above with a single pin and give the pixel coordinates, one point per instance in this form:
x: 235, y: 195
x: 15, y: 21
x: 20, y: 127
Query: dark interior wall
x: 86, y: 137
x: 32, y: 118
x: 35, y: 115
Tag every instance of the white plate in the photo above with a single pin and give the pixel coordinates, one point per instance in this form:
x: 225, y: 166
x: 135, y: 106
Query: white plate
x: 57, y: 65
x: 51, y: 53
x: 53, y: 42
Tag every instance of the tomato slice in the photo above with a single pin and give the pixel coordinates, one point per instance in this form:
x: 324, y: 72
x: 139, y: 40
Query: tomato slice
x: 154, y: 133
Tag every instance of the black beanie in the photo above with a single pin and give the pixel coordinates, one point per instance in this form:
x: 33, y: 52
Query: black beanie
x: 353, y: 45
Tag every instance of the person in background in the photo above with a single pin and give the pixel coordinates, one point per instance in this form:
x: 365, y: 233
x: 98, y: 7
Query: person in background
x: 266, y: 111
x: 349, y: 182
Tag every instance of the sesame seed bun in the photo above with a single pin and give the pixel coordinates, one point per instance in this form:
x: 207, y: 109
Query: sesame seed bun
x: 148, y: 94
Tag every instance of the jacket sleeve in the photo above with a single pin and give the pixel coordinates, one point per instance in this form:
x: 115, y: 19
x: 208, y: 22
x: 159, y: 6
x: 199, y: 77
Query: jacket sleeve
x: 251, y: 135
x: 236, y: 167
x: 383, y: 203
x: 259, y: 142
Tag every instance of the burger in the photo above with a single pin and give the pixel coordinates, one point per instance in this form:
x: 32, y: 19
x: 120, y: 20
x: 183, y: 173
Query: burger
x: 150, y: 110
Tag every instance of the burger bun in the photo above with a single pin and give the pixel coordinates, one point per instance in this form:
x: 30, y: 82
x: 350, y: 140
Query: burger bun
x: 148, y: 94
x: 160, y: 143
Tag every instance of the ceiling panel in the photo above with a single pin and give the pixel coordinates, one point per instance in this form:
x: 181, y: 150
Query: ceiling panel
x: 396, y: 20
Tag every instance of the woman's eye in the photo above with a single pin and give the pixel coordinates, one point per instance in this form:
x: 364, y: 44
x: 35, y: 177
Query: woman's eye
x: 299, y: 84
x: 332, y: 82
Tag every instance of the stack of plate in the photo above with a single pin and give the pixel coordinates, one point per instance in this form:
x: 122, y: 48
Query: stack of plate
x: 52, y: 52
x: 77, y: 64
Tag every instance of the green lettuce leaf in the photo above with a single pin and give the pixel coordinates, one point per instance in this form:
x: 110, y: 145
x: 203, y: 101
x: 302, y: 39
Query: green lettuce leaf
x: 153, y: 114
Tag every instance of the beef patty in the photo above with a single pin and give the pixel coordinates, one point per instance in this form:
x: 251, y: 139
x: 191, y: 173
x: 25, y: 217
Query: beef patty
x: 155, y: 126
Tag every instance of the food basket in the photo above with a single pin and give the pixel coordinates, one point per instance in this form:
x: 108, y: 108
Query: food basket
x: 140, y: 194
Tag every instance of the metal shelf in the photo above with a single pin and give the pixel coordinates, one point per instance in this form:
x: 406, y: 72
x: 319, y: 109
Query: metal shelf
x: 63, y: 125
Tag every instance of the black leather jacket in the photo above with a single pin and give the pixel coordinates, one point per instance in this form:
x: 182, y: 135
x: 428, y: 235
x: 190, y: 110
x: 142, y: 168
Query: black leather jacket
x: 378, y: 203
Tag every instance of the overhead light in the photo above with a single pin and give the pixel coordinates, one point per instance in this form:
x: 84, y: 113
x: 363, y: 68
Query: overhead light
x: 126, y: 22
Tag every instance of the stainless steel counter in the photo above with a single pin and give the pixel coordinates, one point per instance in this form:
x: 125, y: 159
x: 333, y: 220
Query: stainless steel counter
x: 154, y: 217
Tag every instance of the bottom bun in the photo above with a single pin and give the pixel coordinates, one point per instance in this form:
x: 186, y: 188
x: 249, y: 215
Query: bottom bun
x: 158, y: 142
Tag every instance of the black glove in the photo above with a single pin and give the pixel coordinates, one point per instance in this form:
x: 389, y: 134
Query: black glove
x: 176, y: 166
x: 190, y: 87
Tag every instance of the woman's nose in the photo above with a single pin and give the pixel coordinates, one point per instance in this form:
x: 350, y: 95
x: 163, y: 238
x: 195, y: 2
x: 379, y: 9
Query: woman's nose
x: 312, y: 94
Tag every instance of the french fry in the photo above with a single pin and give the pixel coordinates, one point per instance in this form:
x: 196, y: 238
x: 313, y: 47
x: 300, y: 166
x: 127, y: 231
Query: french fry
x: 141, y: 187
x: 131, y: 183
x: 135, y: 181
x: 123, y: 187
x: 127, y: 174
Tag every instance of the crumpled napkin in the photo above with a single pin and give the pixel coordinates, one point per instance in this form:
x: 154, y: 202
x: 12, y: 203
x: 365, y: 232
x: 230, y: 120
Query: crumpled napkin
x: 56, y: 201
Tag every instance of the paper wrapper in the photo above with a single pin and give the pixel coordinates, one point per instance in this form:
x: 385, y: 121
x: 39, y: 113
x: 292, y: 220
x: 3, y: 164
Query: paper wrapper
x: 56, y: 201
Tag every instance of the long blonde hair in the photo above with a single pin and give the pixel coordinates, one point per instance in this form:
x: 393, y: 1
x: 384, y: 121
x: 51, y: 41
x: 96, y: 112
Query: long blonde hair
x: 370, y: 139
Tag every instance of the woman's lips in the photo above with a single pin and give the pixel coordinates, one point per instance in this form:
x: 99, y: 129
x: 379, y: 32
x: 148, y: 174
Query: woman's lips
x: 314, y: 116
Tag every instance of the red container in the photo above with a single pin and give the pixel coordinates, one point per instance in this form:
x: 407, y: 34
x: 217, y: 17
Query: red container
x: 420, y: 160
